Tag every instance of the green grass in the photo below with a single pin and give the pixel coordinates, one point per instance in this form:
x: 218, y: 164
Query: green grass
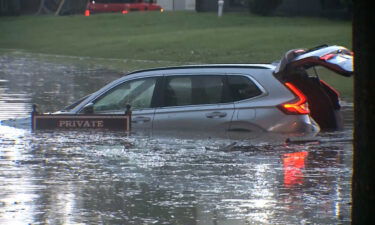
x: 171, y: 37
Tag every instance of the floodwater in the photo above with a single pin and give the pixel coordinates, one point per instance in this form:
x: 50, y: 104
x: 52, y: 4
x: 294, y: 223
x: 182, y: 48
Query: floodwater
x: 111, y: 178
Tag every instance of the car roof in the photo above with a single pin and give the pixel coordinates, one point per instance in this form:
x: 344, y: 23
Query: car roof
x: 207, y: 66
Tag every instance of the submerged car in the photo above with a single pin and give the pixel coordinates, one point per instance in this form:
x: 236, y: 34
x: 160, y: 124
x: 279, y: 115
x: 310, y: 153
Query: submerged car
x: 279, y: 98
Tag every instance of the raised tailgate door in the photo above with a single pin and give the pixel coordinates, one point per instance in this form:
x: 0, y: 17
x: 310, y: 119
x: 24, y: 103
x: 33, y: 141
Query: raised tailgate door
x: 336, y: 58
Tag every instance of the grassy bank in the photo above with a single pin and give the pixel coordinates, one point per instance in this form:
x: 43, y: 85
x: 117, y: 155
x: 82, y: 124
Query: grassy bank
x: 172, y: 37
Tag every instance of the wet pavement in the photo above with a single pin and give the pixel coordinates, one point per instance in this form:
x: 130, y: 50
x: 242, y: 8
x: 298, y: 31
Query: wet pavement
x: 111, y: 178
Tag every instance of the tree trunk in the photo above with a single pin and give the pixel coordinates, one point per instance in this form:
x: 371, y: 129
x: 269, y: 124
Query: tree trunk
x: 41, y: 6
x: 59, y: 8
x: 363, y: 182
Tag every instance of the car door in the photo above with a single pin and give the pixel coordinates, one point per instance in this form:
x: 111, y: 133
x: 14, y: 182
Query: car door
x: 194, y: 103
x: 335, y: 58
x: 138, y: 93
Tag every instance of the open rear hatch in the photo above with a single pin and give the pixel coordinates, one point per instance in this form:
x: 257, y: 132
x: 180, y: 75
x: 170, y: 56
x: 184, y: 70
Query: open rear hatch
x: 323, y: 100
x: 336, y: 58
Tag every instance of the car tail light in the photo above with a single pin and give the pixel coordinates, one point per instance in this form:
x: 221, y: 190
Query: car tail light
x: 327, y: 56
x: 296, y: 106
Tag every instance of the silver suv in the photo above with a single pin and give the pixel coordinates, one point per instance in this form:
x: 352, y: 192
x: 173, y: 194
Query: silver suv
x: 230, y: 97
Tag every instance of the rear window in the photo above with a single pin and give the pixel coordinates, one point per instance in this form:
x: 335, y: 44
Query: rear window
x: 242, y: 87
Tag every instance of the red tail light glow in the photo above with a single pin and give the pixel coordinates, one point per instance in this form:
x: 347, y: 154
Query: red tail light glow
x: 298, y: 106
x: 327, y: 57
x: 294, y: 163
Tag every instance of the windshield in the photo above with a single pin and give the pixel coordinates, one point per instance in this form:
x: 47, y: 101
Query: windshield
x: 70, y: 107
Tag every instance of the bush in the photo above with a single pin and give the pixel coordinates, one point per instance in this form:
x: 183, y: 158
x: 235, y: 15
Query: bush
x: 263, y: 7
x: 9, y: 7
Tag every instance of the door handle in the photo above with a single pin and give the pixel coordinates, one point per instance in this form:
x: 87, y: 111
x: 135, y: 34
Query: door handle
x: 216, y: 115
x: 141, y: 119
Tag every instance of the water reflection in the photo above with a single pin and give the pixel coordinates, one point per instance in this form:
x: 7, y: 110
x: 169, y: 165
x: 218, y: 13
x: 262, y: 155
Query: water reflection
x: 109, y: 178
x: 65, y: 178
x: 293, y: 165
x: 26, y: 80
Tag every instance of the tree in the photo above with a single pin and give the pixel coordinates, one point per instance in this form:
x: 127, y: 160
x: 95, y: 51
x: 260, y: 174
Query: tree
x: 61, y: 7
x: 263, y: 7
x: 9, y: 7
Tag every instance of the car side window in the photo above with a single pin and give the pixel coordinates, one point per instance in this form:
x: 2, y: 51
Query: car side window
x: 242, y: 87
x: 137, y: 93
x: 194, y: 90
x: 178, y: 91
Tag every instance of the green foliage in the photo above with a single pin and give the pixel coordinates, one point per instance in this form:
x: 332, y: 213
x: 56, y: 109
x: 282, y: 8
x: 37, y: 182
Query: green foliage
x: 263, y: 7
x: 9, y: 7
x: 348, y: 4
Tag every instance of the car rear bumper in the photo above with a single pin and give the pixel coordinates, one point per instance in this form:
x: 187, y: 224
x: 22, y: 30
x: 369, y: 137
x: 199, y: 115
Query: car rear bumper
x: 295, y: 124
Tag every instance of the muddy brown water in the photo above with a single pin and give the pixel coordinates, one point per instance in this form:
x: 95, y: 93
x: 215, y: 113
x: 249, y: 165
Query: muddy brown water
x: 111, y: 178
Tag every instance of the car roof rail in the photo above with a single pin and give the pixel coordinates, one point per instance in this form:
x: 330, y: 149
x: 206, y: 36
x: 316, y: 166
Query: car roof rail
x: 203, y: 66
x: 316, y: 48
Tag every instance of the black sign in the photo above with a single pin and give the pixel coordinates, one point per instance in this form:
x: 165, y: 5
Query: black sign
x: 81, y: 121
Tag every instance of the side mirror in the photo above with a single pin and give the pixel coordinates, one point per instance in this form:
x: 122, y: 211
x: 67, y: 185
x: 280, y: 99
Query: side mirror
x: 89, y: 108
